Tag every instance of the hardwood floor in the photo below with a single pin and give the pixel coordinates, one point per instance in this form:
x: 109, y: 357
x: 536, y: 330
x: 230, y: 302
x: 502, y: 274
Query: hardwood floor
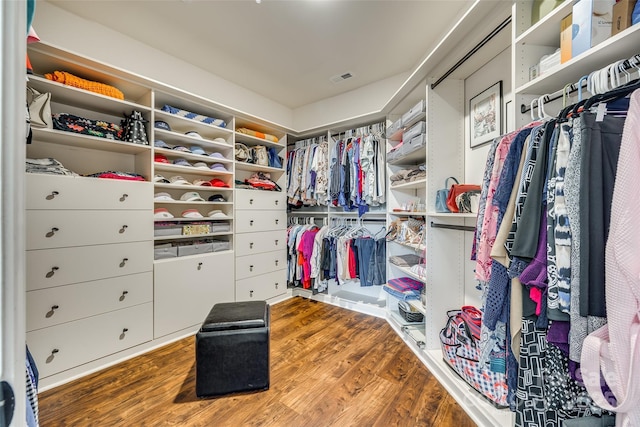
x: 329, y: 367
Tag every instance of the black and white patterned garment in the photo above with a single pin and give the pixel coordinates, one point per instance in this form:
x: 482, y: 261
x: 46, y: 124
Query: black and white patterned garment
x: 562, y: 230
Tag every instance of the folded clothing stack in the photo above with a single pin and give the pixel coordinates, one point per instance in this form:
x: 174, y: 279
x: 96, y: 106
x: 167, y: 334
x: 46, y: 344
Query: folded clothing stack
x: 49, y: 166
x: 404, y: 288
x: 408, y: 175
x: 257, y: 134
x: 193, y: 116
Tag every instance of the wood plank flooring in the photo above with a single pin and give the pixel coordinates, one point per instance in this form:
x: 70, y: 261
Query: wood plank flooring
x: 329, y: 367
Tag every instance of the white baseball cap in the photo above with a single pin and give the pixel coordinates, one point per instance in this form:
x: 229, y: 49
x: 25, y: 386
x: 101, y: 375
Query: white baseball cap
x: 191, y: 196
x: 178, y: 180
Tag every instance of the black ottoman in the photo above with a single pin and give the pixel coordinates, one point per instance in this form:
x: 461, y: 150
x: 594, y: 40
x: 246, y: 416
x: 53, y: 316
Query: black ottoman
x: 232, y: 349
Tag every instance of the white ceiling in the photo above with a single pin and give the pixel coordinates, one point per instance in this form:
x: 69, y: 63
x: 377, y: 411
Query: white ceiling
x: 284, y: 50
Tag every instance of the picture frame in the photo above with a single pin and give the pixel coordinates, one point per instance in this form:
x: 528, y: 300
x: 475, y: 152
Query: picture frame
x: 485, y: 115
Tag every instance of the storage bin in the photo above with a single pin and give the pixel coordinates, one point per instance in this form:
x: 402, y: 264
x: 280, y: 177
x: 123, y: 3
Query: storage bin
x: 198, y: 248
x: 171, y: 230
x: 220, y: 245
x: 414, y: 144
x: 165, y: 251
x: 394, y: 128
x: 414, y: 113
x: 414, y: 131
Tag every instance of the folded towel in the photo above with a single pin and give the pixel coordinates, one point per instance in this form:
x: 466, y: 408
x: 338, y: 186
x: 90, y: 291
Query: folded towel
x: 75, y: 81
x: 257, y: 134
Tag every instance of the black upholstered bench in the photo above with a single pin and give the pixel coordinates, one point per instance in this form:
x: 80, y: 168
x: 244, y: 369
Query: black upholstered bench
x: 232, y: 349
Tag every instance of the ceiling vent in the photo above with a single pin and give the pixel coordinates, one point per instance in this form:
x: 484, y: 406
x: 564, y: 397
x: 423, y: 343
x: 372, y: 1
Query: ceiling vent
x: 341, y: 77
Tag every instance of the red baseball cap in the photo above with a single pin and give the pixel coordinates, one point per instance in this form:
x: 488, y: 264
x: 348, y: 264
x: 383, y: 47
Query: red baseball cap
x: 216, y: 182
x: 160, y: 158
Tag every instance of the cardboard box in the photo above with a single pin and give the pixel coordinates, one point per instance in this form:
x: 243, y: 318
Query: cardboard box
x: 592, y: 21
x: 565, y: 38
x: 622, y: 12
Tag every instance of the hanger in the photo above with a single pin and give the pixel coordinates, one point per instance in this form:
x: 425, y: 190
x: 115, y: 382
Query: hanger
x: 612, y: 95
x: 532, y: 109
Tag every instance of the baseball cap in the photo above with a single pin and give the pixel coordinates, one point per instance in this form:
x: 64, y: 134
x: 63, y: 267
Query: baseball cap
x: 162, y: 125
x: 191, y: 196
x: 198, y: 150
x: 181, y: 162
x: 162, y: 196
x: 191, y: 213
x: 220, y: 140
x: 202, y: 183
x: 160, y: 179
x: 160, y: 144
x: 216, y: 182
x: 217, y: 213
x: 218, y: 167
x: 217, y: 198
x: 216, y: 155
x: 181, y: 148
x: 160, y: 158
x: 201, y: 165
x: 162, y: 213
x: 178, y: 180
x: 194, y: 134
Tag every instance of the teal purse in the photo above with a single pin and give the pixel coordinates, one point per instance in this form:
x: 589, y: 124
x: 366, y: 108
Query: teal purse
x: 441, y: 196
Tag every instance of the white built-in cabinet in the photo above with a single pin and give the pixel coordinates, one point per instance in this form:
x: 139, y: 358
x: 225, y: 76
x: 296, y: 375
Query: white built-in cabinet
x: 106, y: 279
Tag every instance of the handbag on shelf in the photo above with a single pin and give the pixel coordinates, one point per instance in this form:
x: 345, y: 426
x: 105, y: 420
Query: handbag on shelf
x: 455, y: 191
x: 39, y: 108
x: 441, y: 196
x: 243, y: 153
x: 261, y: 155
x: 467, y: 202
x: 133, y: 129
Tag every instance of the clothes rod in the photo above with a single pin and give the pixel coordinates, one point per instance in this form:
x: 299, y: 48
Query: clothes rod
x: 453, y: 227
x: 626, y: 65
x: 472, y: 51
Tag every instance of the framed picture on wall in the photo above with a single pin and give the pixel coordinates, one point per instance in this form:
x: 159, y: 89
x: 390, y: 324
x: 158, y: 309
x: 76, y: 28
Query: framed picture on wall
x: 485, y: 115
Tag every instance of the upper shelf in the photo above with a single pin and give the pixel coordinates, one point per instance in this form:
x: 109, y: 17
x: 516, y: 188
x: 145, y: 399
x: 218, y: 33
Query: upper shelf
x: 87, y: 141
x: 546, y: 32
x: 621, y: 46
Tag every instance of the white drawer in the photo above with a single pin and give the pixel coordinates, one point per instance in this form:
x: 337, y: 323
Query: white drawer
x: 260, y: 200
x: 54, y: 267
x: 254, y: 221
x: 262, y: 287
x: 258, y: 264
x: 254, y: 243
x: 69, y: 192
x: 49, y: 307
x: 64, y: 346
x: 58, y: 229
x: 186, y: 289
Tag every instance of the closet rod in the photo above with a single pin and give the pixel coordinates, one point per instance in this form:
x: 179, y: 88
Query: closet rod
x: 453, y: 227
x: 308, y: 213
x: 574, y: 87
x: 472, y: 51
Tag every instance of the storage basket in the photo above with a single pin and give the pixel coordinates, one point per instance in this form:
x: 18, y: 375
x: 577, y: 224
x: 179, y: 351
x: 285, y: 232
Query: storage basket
x: 408, y: 315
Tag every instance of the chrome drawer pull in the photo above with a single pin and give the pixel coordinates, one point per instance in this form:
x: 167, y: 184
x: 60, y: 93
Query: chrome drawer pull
x: 124, y: 294
x: 52, y: 311
x: 251, y: 268
x: 52, y: 272
x: 251, y: 223
x: 276, y: 242
x: 53, y: 231
x: 52, y: 195
x: 277, y: 220
x: 124, y: 262
x: 124, y: 228
x: 199, y: 266
x: 251, y: 294
x: 276, y: 263
x: 251, y: 245
x: 124, y: 331
x: 52, y: 355
x: 276, y: 202
x: 250, y: 201
x: 124, y: 197
x: 276, y: 285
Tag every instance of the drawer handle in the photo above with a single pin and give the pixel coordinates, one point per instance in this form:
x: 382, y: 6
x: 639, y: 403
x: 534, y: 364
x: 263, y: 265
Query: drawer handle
x: 276, y: 263
x: 251, y: 268
x: 251, y: 202
x: 124, y: 262
x: 276, y: 285
x: 54, y: 351
x: 53, y: 231
x: 124, y: 197
x: 124, y: 294
x: 199, y: 266
x: 277, y: 220
x: 276, y: 202
x: 124, y: 331
x: 124, y: 228
x: 276, y: 242
x: 52, y: 311
x: 251, y: 245
x: 251, y: 223
x: 251, y: 294
x: 52, y: 355
x: 52, y: 272
x: 52, y: 195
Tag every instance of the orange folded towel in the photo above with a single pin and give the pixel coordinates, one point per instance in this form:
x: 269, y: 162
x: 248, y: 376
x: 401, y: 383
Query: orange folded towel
x: 80, y: 83
x: 257, y: 134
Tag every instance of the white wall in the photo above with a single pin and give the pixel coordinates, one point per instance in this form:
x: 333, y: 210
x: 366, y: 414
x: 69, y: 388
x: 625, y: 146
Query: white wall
x: 499, y: 68
x: 91, y: 40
